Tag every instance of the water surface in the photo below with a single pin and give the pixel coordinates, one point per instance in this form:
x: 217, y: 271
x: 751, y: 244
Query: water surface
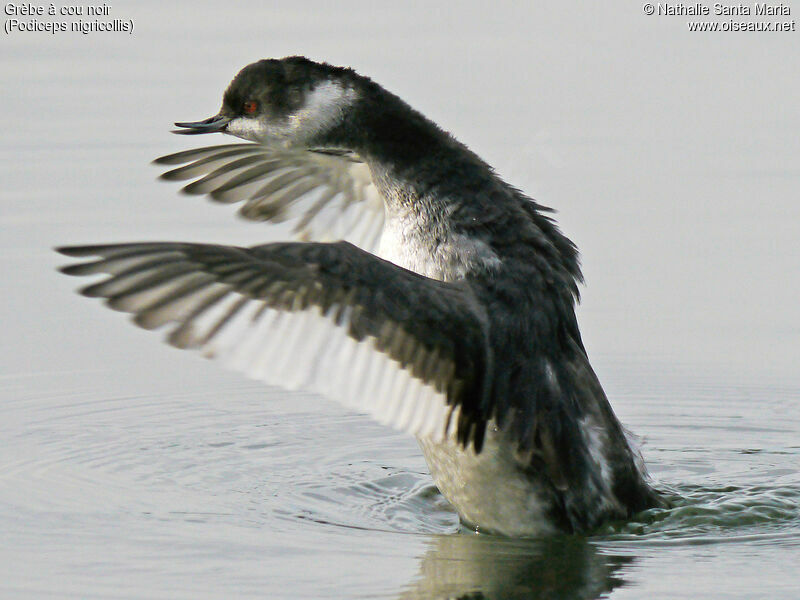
x: 131, y: 470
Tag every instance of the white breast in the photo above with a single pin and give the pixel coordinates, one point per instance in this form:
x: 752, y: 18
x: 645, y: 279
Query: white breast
x: 432, y: 249
x: 490, y: 488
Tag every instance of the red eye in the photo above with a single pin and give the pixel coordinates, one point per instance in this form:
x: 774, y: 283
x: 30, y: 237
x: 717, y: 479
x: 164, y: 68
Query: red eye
x: 250, y: 107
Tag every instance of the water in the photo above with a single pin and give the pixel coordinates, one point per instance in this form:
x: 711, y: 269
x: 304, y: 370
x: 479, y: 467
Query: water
x: 131, y: 470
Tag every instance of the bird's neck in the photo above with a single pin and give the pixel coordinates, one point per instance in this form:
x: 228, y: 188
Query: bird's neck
x: 448, y: 216
x: 422, y: 231
x: 420, y: 172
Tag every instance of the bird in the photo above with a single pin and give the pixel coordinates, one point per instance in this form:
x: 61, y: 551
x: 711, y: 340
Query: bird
x: 418, y: 287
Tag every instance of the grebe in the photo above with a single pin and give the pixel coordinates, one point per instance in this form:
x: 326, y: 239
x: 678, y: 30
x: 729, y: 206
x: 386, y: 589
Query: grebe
x: 425, y: 291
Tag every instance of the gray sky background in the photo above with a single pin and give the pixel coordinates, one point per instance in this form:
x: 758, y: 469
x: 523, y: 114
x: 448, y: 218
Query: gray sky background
x: 673, y: 157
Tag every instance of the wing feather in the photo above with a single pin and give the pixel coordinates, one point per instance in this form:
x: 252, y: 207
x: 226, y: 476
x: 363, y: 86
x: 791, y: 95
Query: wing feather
x: 326, y: 194
x: 329, y: 318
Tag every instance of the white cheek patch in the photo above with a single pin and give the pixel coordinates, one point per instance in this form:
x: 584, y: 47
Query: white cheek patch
x: 324, y: 106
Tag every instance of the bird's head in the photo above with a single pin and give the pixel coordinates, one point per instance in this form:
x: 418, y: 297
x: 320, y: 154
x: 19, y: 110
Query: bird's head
x: 291, y: 101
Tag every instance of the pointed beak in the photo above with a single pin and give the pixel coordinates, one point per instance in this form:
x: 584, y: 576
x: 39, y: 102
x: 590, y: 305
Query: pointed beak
x: 210, y: 125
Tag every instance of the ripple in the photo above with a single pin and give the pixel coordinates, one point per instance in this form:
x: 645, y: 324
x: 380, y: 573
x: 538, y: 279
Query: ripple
x: 715, y: 514
x: 399, y: 501
x: 249, y: 458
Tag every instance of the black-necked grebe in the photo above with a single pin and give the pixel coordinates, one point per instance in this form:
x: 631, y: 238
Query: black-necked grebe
x: 448, y: 313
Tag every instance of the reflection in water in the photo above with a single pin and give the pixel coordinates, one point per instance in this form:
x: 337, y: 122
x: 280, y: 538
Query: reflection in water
x: 473, y: 567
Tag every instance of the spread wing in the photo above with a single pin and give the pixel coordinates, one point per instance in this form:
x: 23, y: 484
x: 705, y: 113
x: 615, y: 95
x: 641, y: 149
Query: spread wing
x: 327, y: 195
x: 325, y: 317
